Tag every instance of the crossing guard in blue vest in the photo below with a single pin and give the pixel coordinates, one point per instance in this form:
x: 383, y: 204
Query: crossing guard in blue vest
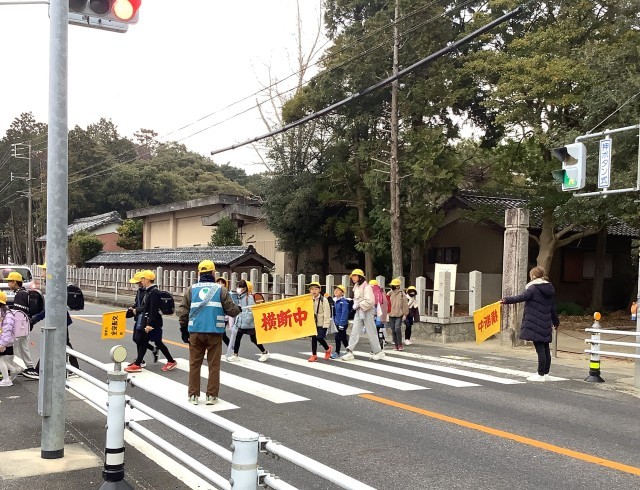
x: 206, y: 314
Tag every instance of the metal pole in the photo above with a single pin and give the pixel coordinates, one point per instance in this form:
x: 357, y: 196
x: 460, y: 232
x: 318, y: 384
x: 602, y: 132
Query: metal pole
x: 636, y: 371
x: 594, y: 361
x: 29, y: 219
x: 244, y: 460
x: 113, y: 472
x: 53, y: 351
x: 555, y: 342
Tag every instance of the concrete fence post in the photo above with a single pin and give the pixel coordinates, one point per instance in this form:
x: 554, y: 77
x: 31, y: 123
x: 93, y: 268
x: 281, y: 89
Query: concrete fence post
x: 265, y: 283
x: 253, y: 277
x: 288, y: 285
x: 276, y: 286
x: 234, y: 281
x: 315, y: 278
x: 302, y: 280
x: 402, y: 283
x: 444, y: 295
x: 381, y: 281
x: 421, y: 294
x: 244, y: 276
x: 329, y: 284
x: 475, y: 291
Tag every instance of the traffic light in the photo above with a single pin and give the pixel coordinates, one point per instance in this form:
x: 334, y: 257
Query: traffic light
x: 112, y: 15
x: 574, y: 166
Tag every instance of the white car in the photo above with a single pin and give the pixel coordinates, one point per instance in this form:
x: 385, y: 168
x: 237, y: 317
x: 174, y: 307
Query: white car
x: 27, y: 279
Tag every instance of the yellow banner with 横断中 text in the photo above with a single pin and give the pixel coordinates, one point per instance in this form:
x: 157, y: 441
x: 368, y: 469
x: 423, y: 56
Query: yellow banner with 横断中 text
x: 487, y: 321
x: 113, y: 324
x: 284, y: 319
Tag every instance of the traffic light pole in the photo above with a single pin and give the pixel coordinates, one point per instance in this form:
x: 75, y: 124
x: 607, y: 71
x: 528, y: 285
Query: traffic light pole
x: 53, y: 349
x: 636, y: 374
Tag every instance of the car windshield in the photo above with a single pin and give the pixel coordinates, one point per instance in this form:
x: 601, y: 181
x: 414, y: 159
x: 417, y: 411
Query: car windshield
x: 23, y: 271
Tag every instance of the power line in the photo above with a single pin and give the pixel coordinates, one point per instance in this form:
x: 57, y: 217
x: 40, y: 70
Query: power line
x: 614, y: 112
x: 378, y: 85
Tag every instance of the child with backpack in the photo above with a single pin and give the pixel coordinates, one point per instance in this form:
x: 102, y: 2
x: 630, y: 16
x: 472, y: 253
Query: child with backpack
x: 341, y: 309
x: 8, y: 369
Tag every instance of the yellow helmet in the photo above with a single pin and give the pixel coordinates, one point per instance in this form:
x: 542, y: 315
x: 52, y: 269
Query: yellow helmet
x: 3, y: 297
x: 357, y: 272
x: 394, y: 282
x: 411, y: 288
x: 14, y: 276
x: 150, y: 275
x: 249, y: 287
x: 315, y: 284
x: 136, y: 278
x: 341, y: 288
x: 373, y: 282
x: 206, y: 266
x: 43, y: 266
x: 226, y: 283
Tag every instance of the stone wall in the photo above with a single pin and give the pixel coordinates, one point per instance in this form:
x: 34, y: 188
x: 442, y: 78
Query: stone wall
x: 456, y: 329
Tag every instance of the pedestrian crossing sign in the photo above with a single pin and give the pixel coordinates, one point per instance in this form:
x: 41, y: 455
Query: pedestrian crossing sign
x: 487, y: 321
x: 113, y: 324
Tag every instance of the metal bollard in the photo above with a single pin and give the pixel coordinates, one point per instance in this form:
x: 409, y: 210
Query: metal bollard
x: 244, y: 460
x: 594, y: 362
x: 113, y: 472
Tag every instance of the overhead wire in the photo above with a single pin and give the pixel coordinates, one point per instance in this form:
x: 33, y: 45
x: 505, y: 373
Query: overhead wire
x: 349, y: 60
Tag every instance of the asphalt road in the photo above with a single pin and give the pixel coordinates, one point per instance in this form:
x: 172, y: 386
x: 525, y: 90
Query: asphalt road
x: 425, y: 433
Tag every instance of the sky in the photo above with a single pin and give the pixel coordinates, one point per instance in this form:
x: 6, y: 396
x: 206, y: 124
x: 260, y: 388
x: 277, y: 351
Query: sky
x: 182, y: 61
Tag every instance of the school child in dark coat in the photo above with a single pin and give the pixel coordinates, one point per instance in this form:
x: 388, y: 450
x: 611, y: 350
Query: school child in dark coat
x: 341, y: 308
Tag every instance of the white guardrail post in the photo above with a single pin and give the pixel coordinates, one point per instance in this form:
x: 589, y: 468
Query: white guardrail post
x: 244, y: 460
x: 113, y: 472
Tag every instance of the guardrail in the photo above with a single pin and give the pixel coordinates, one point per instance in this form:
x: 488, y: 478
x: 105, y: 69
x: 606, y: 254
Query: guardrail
x: 245, y: 448
x: 595, y: 351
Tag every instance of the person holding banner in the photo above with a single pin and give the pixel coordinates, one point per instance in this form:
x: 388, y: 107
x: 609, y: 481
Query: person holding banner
x: 539, y: 318
x: 244, y: 323
x: 322, y: 316
x: 363, y: 304
x: 201, y: 316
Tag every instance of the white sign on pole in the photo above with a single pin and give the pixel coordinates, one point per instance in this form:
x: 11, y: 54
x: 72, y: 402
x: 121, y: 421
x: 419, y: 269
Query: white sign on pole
x: 604, y: 169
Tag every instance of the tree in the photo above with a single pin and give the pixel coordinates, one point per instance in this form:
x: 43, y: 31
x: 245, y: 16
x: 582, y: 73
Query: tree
x: 130, y: 232
x: 225, y: 234
x: 83, y: 247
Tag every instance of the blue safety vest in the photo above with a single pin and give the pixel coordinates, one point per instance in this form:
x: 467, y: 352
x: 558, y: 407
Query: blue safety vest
x: 209, y: 317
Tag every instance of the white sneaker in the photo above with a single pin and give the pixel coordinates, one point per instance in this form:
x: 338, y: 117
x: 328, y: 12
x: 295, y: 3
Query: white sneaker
x: 536, y: 377
x: 6, y: 382
x: 211, y: 400
x: 263, y: 357
x: 193, y: 399
x: 378, y: 356
x: 547, y: 378
x: 407, y: 342
x: 232, y: 358
x: 348, y: 356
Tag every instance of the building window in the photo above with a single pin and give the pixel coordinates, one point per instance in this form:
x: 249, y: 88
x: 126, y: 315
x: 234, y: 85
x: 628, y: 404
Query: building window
x: 444, y: 255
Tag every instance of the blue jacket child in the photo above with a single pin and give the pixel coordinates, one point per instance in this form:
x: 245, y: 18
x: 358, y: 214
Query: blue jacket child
x: 341, y: 313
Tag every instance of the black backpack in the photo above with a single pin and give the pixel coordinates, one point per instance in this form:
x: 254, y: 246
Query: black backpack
x: 75, y: 298
x: 36, y: 302
x: 167, y: 304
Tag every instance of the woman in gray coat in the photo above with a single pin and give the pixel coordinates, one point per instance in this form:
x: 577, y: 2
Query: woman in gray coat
x: 539, y: 318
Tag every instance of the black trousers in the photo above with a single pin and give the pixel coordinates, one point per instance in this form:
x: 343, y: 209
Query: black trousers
x: 341, y: 339
x: 141, y: 338
x: 314, y: 344
x: 408, y: 323
x: 544, y: 357
x: 252, y: 336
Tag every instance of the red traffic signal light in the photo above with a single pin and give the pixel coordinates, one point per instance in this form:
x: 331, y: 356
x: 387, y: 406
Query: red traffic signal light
x: 126, y: 10
x: 104, y: 14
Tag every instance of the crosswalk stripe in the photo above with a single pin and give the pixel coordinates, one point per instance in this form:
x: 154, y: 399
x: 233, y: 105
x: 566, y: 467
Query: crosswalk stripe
x: 177, y: 391
x: 349, y: 373
x: 266, y: 392
x: 97, y: 398
x: 301, y: 378
x: 433, y: 378
x: 473, y: 365
x: 458, y: 372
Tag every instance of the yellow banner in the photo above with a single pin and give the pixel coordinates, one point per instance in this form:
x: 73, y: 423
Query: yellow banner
x: 113, y: 324
x: 284, y: 319
x: 487, y: 321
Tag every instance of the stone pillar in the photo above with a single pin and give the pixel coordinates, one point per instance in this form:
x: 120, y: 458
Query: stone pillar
x: 288, y: 285
x: 253, y: 277
x: 233, y: 281
x: 421, y: 286
x: 402, y: 282
x: 302, y: 279
x: 315, y: 278
x: 444, y: 295
x: 265, y: 283
x: 381, y: 281
x: 515, y: 261
x: 346, y: 282
x: 475, y: 291
x: 276, y: 286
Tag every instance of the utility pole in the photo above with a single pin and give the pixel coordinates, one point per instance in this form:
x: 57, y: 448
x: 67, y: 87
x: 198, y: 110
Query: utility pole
x: 396, y: 240
x: 17, y: 147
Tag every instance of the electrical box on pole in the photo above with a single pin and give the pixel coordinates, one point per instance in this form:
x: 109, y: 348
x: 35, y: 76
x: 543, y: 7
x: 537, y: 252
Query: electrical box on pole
x: 110, y: 15
x: 574, y: 166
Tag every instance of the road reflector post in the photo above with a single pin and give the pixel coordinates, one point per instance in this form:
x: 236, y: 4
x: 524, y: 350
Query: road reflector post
x: 244, y: 459
x: 594, y: 361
